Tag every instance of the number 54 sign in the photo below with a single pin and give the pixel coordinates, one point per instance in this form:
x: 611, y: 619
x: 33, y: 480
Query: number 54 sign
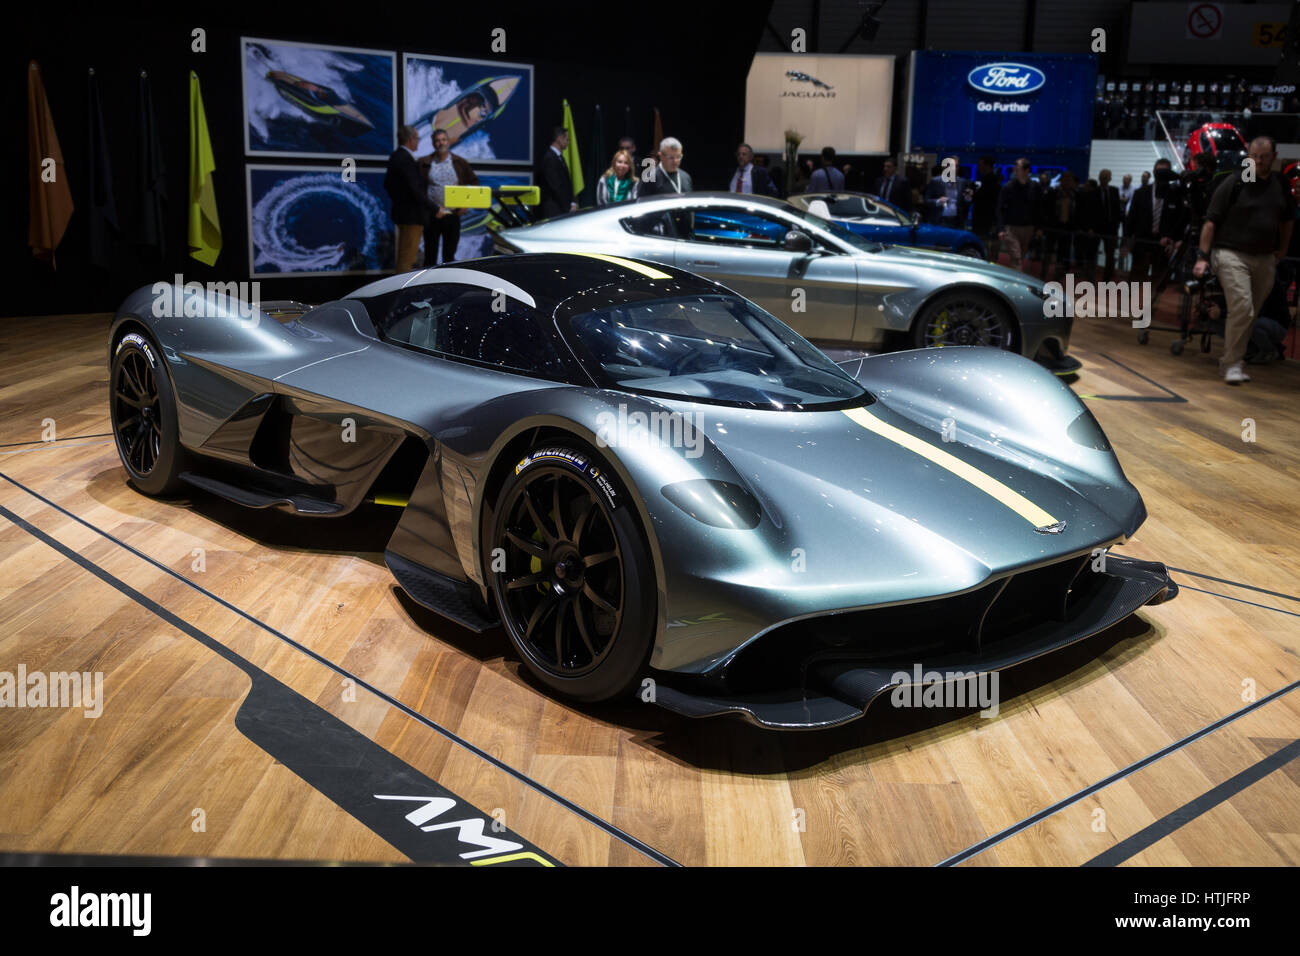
x: 1269, y: 34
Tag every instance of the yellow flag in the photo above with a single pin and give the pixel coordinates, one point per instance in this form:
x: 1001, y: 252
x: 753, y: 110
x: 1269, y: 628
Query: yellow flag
x: 205, y: 228
x: 571, y: 153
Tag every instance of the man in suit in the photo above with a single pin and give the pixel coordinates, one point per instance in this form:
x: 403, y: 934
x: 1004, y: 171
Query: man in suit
x: 1156, y: 219
x: 893, y: 188
x: 556, y: 184
x: 749, y: 177
x: 984, y: 206
x: 411, y: 204
x: 948, y: 202
x: 1111, y: 214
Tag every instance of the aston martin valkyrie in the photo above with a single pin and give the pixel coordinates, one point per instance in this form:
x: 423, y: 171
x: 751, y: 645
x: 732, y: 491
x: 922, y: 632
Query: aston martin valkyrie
x: 649, y: 482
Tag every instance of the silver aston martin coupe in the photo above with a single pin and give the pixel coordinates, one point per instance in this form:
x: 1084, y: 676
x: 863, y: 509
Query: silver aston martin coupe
x: 824, y: 281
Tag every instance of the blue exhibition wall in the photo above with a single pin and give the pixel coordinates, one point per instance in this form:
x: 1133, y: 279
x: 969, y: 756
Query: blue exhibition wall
x: 1032, y: 104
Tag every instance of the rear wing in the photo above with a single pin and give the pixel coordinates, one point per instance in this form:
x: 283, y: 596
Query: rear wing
x: 507, y: 205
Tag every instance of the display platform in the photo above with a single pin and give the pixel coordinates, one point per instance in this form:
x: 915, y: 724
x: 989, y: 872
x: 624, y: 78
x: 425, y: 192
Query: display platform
x: 269, y: 692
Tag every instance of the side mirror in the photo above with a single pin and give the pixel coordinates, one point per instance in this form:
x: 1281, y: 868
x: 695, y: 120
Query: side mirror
x: 916, y: 218
x: 796, y: 241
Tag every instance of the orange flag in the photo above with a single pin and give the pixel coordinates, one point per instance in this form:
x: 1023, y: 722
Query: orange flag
x: 51, y: 198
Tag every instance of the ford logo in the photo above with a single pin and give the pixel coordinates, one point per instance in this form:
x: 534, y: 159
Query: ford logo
x: 1006, y: 79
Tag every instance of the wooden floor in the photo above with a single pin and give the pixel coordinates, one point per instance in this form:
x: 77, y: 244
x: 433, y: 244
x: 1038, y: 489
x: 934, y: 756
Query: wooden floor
x: 96, y: 577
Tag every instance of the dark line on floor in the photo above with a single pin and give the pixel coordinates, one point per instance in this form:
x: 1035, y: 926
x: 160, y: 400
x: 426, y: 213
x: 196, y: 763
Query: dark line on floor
x: 523, y: 778
x: 1029, y: 821
x: 1168, y: 824
x: 1173, y: 396
x: 1235, y: 584
x: 336, y: 759
x: 15, y: 444
x: 1229, y: 597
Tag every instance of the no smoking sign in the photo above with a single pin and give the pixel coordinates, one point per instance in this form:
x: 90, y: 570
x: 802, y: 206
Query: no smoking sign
x: 1204, y: 21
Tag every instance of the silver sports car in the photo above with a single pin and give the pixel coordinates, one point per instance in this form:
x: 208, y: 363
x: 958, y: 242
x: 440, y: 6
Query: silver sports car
x: 821, y: 279
x: 648, y: 481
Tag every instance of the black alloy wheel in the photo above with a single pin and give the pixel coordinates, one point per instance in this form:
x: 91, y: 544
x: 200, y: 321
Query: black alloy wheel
x: 575, y: 589
x: 136, y: 418
x: 143, y: 415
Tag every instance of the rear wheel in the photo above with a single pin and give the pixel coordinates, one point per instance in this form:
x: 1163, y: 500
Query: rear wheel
x: 964, y: 317
x: 572, y: 575
x: 143, y: 414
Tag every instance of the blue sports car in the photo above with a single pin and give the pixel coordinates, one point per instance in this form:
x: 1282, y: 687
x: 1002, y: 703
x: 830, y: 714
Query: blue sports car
x: 873, y: 218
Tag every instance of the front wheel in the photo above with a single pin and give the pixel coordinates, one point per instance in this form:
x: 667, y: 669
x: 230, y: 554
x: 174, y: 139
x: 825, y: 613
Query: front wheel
x: 572, y: 574
x: 964, y: 317
x: 143, y: 414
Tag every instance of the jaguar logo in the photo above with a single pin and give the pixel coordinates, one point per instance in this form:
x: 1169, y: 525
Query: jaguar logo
x: 1006, y: 79
x: 805, y: 78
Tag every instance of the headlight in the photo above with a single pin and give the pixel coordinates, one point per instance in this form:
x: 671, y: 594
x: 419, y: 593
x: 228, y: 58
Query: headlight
x: 721, y: 504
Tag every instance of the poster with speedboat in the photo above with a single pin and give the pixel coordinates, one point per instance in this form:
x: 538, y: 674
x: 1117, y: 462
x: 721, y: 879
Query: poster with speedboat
x: 309, y: 220
x: 485, y: 106
x: 308, y: 100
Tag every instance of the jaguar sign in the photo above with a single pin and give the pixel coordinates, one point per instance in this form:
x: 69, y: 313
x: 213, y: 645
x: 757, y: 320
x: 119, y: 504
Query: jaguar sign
x: 1006, y: 79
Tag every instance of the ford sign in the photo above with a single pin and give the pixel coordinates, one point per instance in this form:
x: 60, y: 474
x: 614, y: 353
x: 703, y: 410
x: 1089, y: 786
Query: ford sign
x: 1006, y: 79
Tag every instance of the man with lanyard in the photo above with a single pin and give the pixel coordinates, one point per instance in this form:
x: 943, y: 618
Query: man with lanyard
x: 668, y: 177
x: 1247, y: 230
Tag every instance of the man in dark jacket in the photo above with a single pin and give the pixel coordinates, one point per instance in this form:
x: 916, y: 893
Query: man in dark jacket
x: 666, y: 176
x: 948, y: 202
x: 894, y: 188
x: 1156, y: 219
x: 1110, y: 213
x: 411, y: 204
x: 1019, y: 213
x: 750, y: 177
x: 984, y: 206
x: 443, y: 168
x: 556, y: 184
x: 1089, y: 212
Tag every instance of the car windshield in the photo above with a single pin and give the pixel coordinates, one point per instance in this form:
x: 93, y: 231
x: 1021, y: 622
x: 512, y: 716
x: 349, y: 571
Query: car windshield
x: 709, y: 348
x: 856, y: 207
x: 1225, y: 138
x: 835, y: 229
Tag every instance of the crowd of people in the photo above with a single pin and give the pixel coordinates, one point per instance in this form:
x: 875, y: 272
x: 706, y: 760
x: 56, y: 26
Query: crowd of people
x: 1068, y: 224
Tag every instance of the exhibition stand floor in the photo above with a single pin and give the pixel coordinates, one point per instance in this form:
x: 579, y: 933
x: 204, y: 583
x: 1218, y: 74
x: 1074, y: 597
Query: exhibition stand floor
x: 263, y: 677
